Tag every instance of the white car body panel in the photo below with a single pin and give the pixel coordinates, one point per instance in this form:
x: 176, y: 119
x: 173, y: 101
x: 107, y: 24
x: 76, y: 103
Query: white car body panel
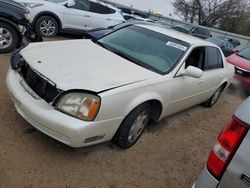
x: 73, y: 18
x: 121, y: 85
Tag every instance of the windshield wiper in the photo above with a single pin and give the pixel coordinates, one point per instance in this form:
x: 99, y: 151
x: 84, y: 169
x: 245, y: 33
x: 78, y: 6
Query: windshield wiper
x: 101, y: 44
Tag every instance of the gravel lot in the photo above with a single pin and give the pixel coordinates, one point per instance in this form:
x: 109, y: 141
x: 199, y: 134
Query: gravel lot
x: 170, y: 154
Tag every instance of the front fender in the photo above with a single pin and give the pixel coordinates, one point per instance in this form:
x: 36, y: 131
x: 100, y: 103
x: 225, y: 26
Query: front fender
x: 140, y: 99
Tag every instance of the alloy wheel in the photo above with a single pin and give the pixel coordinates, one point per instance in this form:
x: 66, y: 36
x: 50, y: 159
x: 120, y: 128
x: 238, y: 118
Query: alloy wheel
x: 138, y: 126
x: 48, y: 27
x: 6, y: 38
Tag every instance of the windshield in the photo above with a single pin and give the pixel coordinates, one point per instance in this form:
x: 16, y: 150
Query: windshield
x: 147, y: 48
x: 245, y: 53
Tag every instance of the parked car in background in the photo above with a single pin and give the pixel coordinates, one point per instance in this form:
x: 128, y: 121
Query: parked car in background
x: 71, y: 16
x: 109, y: 89
x: 14, y: 26
x: 241, y: 61
x: 226, y: 47
x: 133, y: 17
x: 228, y: 164
x: 234, y: 42
x: 100, y: 32
x: 193, y: 30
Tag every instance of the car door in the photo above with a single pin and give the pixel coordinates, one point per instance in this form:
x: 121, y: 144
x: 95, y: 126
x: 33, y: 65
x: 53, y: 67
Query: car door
x: 76, y: 16
x: 214, y: 71
x: 102, y: 16
x: 187, y: 91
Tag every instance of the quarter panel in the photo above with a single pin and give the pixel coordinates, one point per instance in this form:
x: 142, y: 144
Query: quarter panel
x: 240, y: 164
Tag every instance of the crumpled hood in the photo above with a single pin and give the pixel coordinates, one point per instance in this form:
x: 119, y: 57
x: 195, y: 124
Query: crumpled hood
x: 82, y: 64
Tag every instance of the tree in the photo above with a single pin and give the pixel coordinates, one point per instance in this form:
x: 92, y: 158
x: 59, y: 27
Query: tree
x: 212, y: 13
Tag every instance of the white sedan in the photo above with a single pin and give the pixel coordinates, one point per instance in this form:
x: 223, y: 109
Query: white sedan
x: 84, y: 92
x: 71, y: 16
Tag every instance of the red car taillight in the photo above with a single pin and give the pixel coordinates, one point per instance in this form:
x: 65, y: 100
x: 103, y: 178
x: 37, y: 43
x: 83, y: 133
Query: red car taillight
x: 228, y: 141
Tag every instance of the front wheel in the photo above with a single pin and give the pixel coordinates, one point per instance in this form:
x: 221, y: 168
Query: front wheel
x: 46, y: 26
x: 9, y: 38
x: 212, y: 100
x: 132, y: 126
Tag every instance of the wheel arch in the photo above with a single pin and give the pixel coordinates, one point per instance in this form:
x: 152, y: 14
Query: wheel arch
x: 48, y: 13
x: 15, y: 26
x: 155, y: 103
x: 225, y: 84
x: 10, y: 22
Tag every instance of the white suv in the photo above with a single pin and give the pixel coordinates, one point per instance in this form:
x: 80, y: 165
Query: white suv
x: 72, y: 16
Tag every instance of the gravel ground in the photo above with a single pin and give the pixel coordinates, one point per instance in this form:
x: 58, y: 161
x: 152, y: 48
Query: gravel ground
x: 171, y: 153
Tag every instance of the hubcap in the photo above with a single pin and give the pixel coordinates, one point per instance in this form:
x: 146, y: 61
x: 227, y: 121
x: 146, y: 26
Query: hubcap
x: 6, y: 38
x: 216, y: 96
x: 138, y: 126
x: 47, y: 27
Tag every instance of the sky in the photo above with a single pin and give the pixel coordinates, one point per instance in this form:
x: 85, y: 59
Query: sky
x: 163, y: 6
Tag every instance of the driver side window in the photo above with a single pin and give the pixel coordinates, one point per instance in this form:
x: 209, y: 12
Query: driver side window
x: 196, y: 58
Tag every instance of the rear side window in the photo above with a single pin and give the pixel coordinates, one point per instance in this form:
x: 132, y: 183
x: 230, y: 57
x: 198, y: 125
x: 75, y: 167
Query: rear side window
x: 100, y: 9
x: 82, y: 5
x: 213, y: 59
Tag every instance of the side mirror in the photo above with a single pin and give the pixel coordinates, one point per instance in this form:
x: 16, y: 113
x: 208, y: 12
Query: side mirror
x: 70, y: 3
x: 193, y: 72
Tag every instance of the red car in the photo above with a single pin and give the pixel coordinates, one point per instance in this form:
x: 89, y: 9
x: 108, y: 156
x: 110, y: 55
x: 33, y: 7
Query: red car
x: 241, y: 61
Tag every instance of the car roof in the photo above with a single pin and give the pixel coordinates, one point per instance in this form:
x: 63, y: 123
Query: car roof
x: 178, y: 35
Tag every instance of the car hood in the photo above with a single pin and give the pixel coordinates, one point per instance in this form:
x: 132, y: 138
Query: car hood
x: 82, y: 64
x: 16, y: 5
x: 239, y: 62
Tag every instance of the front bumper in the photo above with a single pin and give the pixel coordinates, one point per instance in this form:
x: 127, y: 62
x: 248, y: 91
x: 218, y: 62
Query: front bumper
x: 43, y: 116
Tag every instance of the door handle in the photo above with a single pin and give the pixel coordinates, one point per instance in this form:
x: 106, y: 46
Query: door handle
x: 201, y: 81
x: 108, y: 19
x: 245, y: 178
x: 87, y: 16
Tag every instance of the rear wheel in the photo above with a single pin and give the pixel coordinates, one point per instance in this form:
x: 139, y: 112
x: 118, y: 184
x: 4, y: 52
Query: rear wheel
x: 9, y: 38
x: 46, y: 26
x: 133, y: 126
x: 212, y: 100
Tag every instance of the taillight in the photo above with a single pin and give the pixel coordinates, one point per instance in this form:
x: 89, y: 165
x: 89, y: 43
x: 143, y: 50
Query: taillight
x: 227, y: 143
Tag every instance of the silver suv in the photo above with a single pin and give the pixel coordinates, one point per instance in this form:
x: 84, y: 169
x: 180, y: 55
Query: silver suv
x: 228, y: 165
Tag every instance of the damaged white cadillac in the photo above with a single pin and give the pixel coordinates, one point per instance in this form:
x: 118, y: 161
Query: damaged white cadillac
x: 83, y: 92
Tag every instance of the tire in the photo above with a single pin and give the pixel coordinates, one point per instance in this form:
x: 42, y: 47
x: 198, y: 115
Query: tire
x: 212, y: 100
x: 46, y: 26
x: 132, y: 126
x: 9, y: 38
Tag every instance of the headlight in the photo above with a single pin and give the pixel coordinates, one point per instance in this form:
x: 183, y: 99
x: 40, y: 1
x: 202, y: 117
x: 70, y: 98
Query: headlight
x: 32, y: 5
x: 27, y: 16
x: 80, y: 105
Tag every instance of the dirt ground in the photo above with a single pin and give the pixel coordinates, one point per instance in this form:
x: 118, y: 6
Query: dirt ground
x: 170, y: 154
